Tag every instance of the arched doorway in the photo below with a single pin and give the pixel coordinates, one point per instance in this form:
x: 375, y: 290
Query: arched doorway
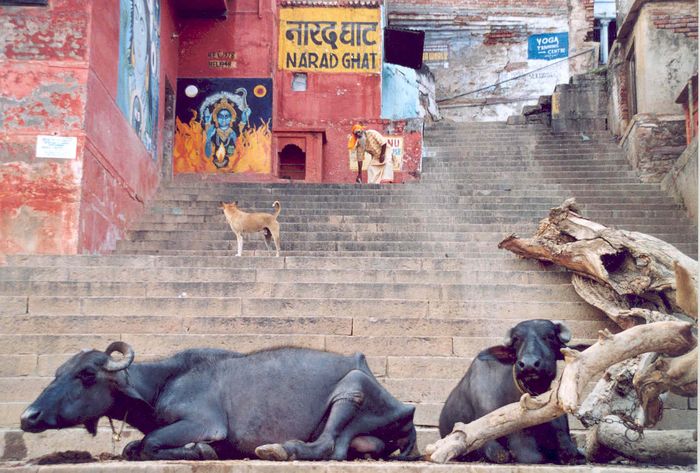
x: 292, y: 163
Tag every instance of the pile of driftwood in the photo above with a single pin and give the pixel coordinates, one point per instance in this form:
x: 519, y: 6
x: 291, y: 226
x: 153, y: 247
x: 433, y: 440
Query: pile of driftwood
x: 647, y: 287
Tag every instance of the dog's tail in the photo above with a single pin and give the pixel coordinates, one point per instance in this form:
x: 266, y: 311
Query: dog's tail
x: 276, y: 205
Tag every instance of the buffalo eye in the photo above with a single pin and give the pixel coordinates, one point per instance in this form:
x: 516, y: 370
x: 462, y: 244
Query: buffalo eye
x: 87, y: 377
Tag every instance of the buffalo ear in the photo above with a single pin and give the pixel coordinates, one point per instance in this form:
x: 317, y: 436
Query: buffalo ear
x: 579, y: 347
x: 121, y: 383
x: 91, y: 425
x: 563, y: 332
x: 501, y: 353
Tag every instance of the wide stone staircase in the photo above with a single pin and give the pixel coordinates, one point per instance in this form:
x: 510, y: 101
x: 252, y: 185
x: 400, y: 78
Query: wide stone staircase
x: 409, y: 274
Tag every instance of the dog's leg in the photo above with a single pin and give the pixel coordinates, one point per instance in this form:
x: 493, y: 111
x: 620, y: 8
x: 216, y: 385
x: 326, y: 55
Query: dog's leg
x: 275, y: 231
x: 268, y: 238
x: 239, y: 239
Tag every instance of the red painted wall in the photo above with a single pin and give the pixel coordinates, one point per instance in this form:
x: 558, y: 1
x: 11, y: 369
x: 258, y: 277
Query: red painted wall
x: 120, y: 175
x: 332, y: 101
x: 43, y: 91
x: 58, y: 76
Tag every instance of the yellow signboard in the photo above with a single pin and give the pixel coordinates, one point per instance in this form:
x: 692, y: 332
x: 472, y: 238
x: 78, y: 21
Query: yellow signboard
x: 330, y: 40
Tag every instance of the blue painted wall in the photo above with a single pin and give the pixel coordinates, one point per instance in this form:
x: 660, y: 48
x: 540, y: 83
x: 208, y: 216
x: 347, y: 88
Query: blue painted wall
x: 399, y: 92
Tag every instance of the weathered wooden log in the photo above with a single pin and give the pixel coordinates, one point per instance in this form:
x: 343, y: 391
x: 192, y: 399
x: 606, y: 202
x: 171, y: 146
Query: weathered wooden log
x: 667, y: 447
x: 631, y: 263
x: 634, y: 279
x: 667, y: 337
x: 615, y: 394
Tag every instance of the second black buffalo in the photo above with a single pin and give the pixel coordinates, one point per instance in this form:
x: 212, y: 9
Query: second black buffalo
x: 500, y: 375
x: 279, y: 404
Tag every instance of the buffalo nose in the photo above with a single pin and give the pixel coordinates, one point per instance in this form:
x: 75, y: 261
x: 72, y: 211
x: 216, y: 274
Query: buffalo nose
x: 529, y: 362
x: 29, y: 417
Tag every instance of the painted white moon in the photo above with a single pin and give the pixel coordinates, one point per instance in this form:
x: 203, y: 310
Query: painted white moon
x: 191, y: 90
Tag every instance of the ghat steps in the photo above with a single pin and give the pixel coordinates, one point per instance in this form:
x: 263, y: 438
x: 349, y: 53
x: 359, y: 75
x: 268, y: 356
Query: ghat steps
x: 409, y: 274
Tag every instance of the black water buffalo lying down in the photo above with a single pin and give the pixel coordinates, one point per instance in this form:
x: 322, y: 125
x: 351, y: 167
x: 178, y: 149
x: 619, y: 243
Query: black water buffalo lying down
x: 285, y: 403
x: 498, y: 376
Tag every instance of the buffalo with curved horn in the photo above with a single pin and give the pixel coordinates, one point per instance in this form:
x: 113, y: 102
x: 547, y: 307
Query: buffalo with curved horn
x: 279, y: 404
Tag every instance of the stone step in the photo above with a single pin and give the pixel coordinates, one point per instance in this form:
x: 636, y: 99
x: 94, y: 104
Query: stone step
x: 285, y: 227
x: 476, y: 197
x: 531, y: 212
x: 688, y: 249
x: 485, y: 274
x: 290, y: 247
x: 187, y: 305
x: 230, y: 191
x: 291, y: 240
x: 36, y: 445
x: 349, y: 290
x: 468, y: 263
x: 128, y: 325
x: 480, y: 203
x: 508, y: 223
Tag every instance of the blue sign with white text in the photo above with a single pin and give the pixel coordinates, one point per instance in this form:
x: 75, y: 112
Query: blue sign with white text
x: 548, y: 46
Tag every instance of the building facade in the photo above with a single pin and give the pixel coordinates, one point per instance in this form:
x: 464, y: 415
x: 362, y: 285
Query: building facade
x: 103, y: 101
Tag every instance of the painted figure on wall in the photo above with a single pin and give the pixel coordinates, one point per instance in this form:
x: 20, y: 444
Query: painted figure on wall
x: 223, y: 125
x: 139, y: 51
x: 218, y: 130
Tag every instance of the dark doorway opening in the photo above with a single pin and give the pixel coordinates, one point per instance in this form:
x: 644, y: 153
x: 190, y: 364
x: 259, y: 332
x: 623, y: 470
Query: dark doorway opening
x: 292, y: 163
x: 168, y: 132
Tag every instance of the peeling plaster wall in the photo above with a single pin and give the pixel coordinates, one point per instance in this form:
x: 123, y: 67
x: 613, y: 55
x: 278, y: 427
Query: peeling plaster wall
x: 43, y: 85
x: 580, y: 37
x: 479, y: 61
x: 668, y: 57
x: 487, y: 43
x: 682, y: 180
x: 663, y: 38
x: 653, y: 143
x: 58, y: 76
x: 617, y: 91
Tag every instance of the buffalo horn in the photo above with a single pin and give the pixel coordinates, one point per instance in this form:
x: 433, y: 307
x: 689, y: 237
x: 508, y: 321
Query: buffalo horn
x: 118, y: 365
x: 564, y: 332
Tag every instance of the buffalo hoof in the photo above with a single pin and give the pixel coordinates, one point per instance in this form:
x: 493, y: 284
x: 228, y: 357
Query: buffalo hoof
x: 132, y: 451
x: 205, y: 451
x: 272, y: 451
x: 496, y: 453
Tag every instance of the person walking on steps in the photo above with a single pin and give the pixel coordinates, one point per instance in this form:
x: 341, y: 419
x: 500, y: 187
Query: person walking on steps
x: 380, y: 169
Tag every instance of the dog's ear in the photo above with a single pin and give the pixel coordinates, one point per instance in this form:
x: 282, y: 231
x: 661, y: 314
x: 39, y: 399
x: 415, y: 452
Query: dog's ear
x: 235, y: 203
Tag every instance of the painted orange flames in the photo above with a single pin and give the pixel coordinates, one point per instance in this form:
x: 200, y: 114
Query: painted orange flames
x: 252, y: 153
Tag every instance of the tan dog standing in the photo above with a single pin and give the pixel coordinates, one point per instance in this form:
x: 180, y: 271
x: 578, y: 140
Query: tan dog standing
x: 243, y: 222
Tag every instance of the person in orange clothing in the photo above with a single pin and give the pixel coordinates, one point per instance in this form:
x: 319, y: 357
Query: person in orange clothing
x: 377, y: 146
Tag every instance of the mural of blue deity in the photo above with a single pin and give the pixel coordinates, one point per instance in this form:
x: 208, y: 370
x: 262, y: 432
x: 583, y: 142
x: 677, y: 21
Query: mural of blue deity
x: 139, y: 64
x: 223, y: 125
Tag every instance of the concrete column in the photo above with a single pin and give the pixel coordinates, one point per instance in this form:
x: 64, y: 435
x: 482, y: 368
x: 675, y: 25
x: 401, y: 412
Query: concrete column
x: 604, y: 22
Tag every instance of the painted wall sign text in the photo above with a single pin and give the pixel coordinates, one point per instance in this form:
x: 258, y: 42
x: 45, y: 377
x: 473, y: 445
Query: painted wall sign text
x: 58, y: 147
x: 548, y: 46
x: 330, y: 40
x: 221, y: 59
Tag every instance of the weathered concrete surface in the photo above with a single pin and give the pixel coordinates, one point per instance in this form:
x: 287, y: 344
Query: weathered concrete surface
x: 485, y: 44
x: 662, y: 39
x: 580, y: 105
x: 653, y: 143
x: 681, y: 182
